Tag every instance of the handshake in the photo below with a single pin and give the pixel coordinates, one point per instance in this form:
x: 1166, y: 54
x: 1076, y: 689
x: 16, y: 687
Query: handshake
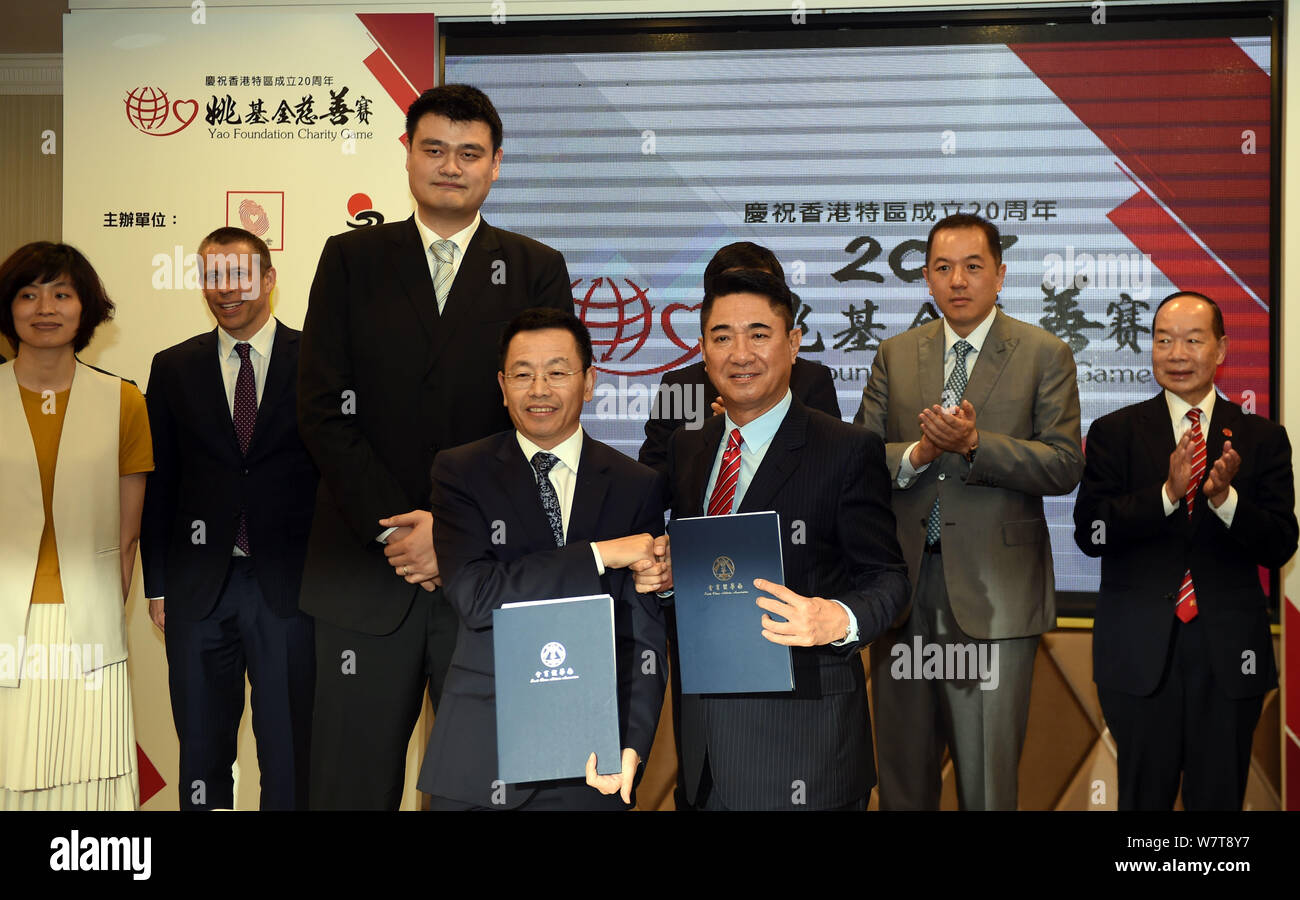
x: 647, y: 557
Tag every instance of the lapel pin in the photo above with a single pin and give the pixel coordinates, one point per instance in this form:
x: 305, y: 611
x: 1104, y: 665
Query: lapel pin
x: 1227, y: 432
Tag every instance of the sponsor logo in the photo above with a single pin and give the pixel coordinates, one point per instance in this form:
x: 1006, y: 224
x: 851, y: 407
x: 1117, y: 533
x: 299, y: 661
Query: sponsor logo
x: 150, y: 111
x: 553, y: 655
x: 363, y: 212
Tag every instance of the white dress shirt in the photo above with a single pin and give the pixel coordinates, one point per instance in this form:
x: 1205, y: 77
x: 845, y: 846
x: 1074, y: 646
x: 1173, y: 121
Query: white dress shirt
x: 1178, y: 408
x: 564, y: 478
x: 259, y: 355
x: 460, y: 239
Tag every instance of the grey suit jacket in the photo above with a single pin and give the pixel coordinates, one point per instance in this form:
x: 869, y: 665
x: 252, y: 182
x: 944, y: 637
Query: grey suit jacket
x: 997, y: 558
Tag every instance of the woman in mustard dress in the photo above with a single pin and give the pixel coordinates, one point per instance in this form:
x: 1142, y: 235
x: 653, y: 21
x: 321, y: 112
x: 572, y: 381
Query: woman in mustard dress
x: 73, y: 459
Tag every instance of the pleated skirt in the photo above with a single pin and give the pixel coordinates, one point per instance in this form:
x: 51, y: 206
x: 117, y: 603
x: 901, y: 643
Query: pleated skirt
x: 67, y: 740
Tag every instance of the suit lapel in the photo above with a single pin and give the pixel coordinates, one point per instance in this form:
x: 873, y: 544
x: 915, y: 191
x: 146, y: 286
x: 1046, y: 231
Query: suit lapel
x: 467, y: 289
x: 278, y: 375
x: 1157, y: 433
x: 989, y: 363
x: 779, y: 462
x: 209, y: 395
x: 929, y: 363
x: 408, y: 259
x: 588, y: 493
x: 519, y: 483
x: 702, y: 449
x: 1225, y: 416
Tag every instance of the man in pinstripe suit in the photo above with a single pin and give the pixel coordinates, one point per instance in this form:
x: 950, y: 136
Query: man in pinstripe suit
x: 845, y: 579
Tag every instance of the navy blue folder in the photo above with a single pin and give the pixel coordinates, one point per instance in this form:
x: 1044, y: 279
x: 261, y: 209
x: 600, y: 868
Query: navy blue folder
x: 557, y: 688
x: 720, y: 641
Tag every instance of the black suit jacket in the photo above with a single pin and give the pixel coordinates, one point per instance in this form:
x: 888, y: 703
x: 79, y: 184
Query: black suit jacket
x: 1119, y: 516
x: 480, y: 489
x: 386, y: 382
x: 810, y: 749
x: 200, y: 481
x: 810, y: 382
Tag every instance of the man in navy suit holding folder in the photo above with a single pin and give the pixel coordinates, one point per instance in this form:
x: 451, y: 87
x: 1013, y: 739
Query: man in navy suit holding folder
x: 845, y: 579
x: 537, y: 512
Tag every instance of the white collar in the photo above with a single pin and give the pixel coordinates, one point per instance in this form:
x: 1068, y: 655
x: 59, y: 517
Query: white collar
x: 461, y: 238
x: 1178, y: 407
x: 569, y: 450
x: 976, y: 338
x: 261, y: 342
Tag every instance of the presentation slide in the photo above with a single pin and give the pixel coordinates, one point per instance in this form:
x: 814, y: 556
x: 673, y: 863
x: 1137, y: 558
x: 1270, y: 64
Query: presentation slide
x: 1117, y: 172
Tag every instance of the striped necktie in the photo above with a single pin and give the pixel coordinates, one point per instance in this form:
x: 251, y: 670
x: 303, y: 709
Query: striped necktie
x: 724, y: 490
x: 443, y: 257
x: 1186, y: 608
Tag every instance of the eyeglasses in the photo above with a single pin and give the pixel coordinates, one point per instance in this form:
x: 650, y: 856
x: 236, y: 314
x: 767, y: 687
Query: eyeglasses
x: 555, y: 378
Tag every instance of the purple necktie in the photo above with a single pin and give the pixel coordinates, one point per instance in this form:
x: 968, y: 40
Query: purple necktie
x: 245, y: 419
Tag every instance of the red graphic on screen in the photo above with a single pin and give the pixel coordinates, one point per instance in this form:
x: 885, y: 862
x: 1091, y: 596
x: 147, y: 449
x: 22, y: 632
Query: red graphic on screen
x: 405, y: 63
x: 150, y: 112
x: 622, y: 320
x: 1182, y: 116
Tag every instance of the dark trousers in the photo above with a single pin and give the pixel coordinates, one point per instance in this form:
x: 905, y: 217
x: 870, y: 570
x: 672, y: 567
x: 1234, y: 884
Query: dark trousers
x: 709, y: 800
x: 1188, y: 726
x: 206, y: 663
x: 369, y: 691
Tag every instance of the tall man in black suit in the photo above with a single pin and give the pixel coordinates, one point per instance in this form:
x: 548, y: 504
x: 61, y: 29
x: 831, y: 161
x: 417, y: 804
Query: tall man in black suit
x: 537, y: 512
x: 810, y: 381
x: 398, y: 363
x: 1183, y: 498
x: 224, y: 533
x: 845, y: 579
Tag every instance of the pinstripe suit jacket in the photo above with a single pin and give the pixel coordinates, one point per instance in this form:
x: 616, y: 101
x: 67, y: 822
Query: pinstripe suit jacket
x: 809, y: 749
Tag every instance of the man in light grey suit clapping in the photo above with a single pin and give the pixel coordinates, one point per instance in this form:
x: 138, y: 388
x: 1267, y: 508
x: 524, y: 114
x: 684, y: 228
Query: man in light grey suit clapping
x: 980, y: 417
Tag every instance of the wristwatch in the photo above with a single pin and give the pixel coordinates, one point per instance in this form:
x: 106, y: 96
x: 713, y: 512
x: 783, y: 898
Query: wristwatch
x: 970, y: 454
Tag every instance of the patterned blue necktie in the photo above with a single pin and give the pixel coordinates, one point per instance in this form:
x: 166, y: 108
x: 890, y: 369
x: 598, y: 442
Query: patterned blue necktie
x: 543, y: 462
x: 953, y: 390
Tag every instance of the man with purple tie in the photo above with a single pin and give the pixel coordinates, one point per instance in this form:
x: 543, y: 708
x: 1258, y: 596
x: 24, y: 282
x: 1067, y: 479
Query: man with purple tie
x: 227, y: 512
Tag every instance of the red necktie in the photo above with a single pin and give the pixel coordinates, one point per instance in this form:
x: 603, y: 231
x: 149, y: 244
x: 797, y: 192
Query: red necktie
x: 728, y: 477
x: 1186, y: 608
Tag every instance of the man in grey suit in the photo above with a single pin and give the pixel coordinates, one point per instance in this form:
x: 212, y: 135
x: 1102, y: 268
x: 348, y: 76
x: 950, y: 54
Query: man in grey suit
x: 970, y: 472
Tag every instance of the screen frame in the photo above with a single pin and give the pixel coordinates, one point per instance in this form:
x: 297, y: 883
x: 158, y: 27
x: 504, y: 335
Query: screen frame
x: 919, y: 27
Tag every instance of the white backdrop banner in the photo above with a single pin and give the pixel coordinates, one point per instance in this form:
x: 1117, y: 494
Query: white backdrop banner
x: 177, y: 122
